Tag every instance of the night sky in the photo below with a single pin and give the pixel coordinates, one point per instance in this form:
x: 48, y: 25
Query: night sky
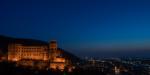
x: 83, y: 27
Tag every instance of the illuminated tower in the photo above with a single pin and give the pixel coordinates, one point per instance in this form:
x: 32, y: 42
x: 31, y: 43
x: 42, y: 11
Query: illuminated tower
x: 53, y: 50
x: 56, y: 61
x: 53, y: 45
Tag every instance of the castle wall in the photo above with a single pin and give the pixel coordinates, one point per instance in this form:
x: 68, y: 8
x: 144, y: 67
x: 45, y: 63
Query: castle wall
x: 51, y: 54
x: 17, y: 52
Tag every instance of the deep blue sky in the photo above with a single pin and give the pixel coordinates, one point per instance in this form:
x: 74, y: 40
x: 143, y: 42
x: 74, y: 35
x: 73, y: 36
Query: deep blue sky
x: 89, y: 26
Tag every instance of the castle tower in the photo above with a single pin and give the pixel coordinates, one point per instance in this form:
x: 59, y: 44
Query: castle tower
x: 53, y: 50
x: 53, y: 45
x: 56, y: 61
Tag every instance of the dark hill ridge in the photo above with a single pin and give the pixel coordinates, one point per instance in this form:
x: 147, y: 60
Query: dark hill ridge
x: 5, y: 40
x: 30, y: 42
x: 69, y: 55
x: 23, y: 41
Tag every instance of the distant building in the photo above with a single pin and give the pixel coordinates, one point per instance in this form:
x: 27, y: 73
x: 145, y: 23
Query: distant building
x: 17, y: 52
x: 56, y: 59
x: 50, y: 54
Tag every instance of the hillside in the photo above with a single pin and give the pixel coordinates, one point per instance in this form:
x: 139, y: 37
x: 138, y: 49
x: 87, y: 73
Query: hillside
x: 5, y: 40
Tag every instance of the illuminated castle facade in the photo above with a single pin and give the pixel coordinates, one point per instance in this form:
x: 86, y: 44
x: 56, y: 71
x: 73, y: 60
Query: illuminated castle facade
x: 50, y: 54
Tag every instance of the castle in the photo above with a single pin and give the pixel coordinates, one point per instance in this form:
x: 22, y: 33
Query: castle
x: 50, y: 55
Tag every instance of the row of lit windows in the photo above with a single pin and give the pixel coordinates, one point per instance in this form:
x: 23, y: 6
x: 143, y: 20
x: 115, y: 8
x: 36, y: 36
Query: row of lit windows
x: 27, y: 47
x: 29, y: 54
x: 29, y: 50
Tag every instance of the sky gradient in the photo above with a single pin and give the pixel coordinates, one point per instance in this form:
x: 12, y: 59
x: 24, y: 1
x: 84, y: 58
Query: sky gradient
x: 80, y: 26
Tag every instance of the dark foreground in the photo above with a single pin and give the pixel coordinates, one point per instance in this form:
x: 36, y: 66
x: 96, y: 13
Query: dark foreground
x: 11, y: 69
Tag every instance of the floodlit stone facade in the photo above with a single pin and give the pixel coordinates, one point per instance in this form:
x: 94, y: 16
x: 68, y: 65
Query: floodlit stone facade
x: 50, y: 54
x: 17, y: 52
